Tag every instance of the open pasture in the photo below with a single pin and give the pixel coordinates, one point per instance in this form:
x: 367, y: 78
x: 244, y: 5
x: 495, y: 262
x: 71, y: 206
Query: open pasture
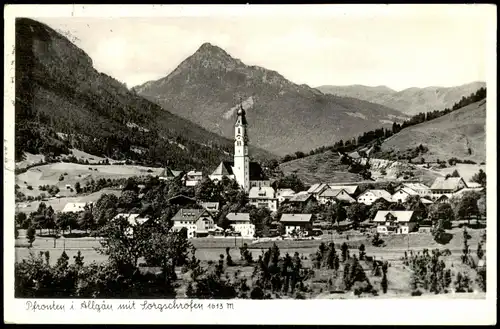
x: 49, y: 174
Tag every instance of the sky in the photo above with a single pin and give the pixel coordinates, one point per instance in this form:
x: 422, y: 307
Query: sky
x: 395, y: 46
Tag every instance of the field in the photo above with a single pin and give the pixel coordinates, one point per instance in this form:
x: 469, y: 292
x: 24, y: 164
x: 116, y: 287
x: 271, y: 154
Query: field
x: 462, y: 129
x: 209, y: 249
x: 466, y: 171
x: 49, y: 175
x: 322, y: 167
x: 58, y: 204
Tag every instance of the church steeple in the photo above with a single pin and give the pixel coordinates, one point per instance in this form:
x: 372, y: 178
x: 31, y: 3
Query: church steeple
x: 241, y: 160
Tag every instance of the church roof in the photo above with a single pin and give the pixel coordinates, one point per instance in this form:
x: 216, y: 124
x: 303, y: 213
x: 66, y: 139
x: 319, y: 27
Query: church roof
x: 225, y: 168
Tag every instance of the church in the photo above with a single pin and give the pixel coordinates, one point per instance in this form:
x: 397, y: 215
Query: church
x: 246, y: 173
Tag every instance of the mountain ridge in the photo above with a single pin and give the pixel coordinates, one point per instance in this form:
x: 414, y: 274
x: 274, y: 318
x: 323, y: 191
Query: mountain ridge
x: 284, y: 117
x: 412, y: 100
x: 59, y: 91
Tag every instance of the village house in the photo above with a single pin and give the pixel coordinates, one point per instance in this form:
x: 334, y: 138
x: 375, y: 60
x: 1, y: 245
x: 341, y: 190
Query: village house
x: 317, y: 189
x: 181, y: 200
x: 333, y: 195
x: 263, y: 197
x: 352, y: 190
x: 300, y: 224
x: 402, y: 194
x: 74, y: 207
x: 133, y: 219
x: 447, y: 185
x: 192, y: 178
x: 420, y: 189
x: 284, y: 194
x: 240, y: 222
x: 398, y: 222
x: 368, y: 197
x: 246, y: 173
x: 211, y: 207
x: 302, y: 198
x: 198, y: 222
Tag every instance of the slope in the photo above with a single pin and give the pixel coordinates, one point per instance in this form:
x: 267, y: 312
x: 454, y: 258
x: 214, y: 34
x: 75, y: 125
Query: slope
x: 410, y: 101
x: 59, y: 91
x: 451, y: 135
x: 284, y: 117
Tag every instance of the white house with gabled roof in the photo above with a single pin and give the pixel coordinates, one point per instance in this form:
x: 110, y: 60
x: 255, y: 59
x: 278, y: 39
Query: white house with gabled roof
x: 240, y: 222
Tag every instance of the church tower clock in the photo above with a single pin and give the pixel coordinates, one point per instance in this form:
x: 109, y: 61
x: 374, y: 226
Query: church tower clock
x: 241, y: 167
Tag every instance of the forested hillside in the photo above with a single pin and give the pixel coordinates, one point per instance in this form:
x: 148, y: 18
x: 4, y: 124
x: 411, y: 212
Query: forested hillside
x: 62, y: 102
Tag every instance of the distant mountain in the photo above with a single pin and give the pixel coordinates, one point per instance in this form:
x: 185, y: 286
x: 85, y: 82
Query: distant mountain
x: 59, y: 93
x: 358, y: 91
x: 283, y: 117
x: 410, y: 101
x: 460, y: 134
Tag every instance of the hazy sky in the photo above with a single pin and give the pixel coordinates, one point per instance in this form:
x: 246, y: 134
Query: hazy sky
x: 392, y: 46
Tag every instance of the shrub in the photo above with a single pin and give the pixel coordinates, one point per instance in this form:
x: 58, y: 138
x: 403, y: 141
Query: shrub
x: 29, y: 187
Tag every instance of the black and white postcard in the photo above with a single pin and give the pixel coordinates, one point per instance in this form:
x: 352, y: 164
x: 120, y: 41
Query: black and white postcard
x: 246, y: 164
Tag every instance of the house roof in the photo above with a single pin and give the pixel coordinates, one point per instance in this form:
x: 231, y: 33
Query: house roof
x: 190, y: 214
x: 132, y: 218
x: 379, y: 194
x: 443, y: 183
x: 415, y: 186
x: 350, y: 189
x: 305, y: 218
x: 473, y: 185
x: 468, y: 189
x: 317, y: 188
x: 266, y: 192
x: 330, y: 192
x: 74, y: 207
x: 225, y: 168
x: 407, y: 190
x: 181, y: 197
x: 285, y: 192
x: 300, y: 197
x: 402, y: 216
x: 238, y: 217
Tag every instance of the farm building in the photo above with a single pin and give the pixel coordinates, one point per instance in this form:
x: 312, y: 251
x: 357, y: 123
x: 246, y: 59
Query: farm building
x: 333, y: 195
x: 297, y: 223
x: 420, y: 189
x: 447, y: 185
x: 74, y: 207
x: 399, y: 222
x: 198, y: 222
x: 240, y: 222
x: 370, y: 196
x: 402, y: 194
x: 263, y: 197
